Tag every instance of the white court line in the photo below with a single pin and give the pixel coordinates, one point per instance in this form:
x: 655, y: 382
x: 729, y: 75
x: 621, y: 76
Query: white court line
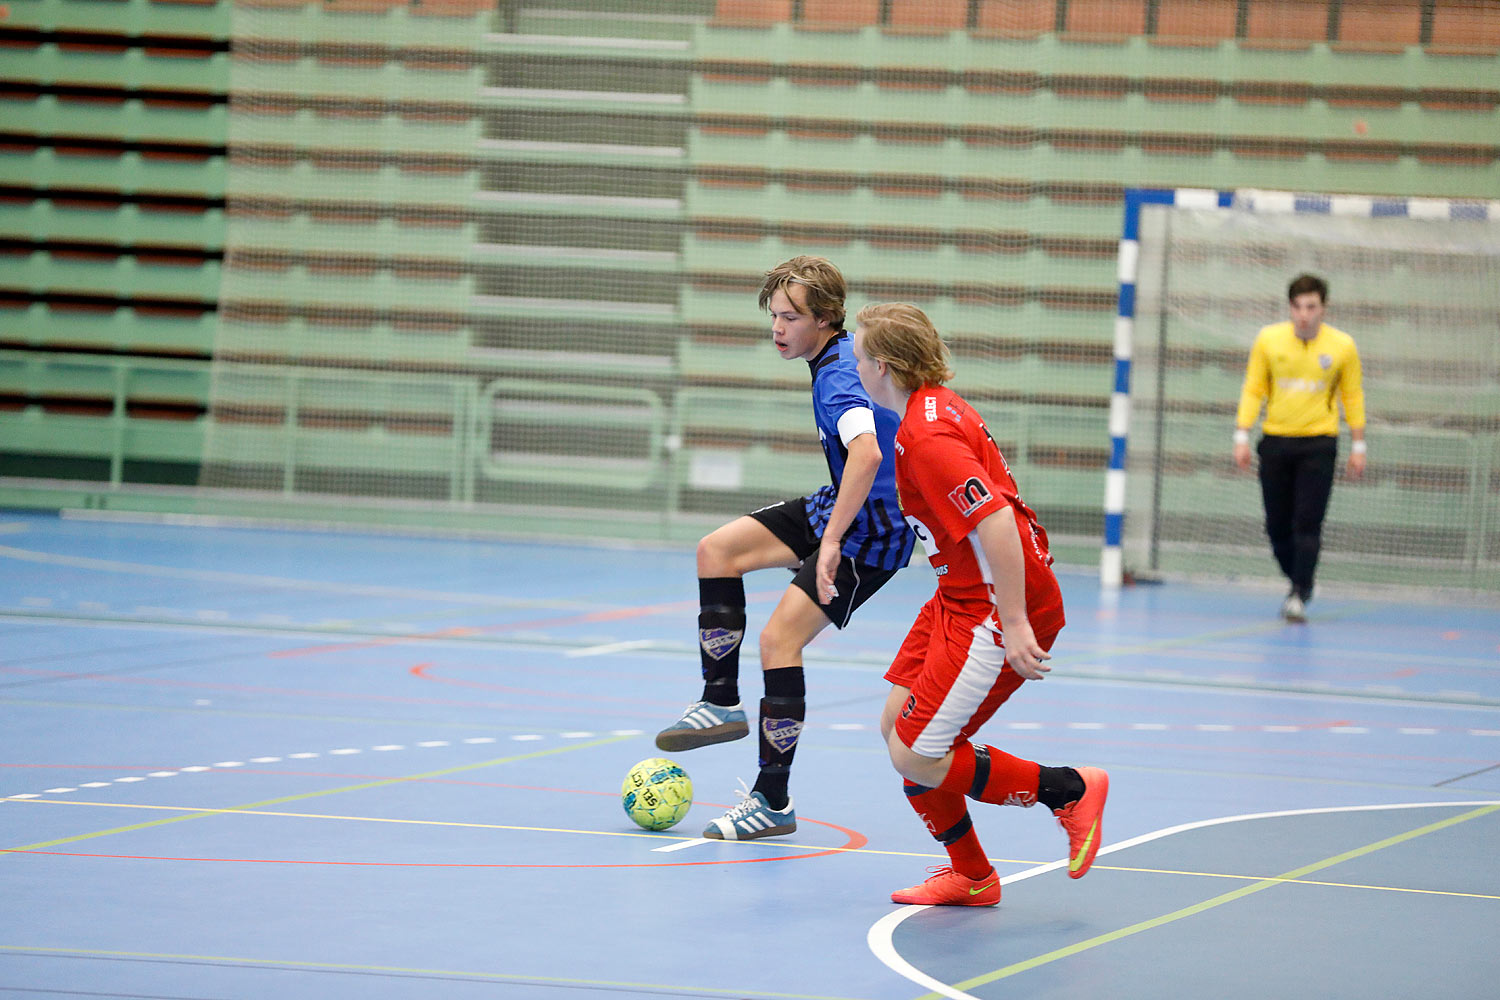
x: 611, y: 647
x: 285, y: 583
x: 680, y: 846
x: 882, y: 931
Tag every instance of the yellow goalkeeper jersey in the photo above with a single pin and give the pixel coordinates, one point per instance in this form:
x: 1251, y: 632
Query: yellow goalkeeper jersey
x: 1298, y: 380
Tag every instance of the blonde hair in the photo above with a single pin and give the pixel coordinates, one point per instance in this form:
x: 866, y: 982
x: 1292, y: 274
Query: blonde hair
x: 904, y: 338
x: 824, y: 284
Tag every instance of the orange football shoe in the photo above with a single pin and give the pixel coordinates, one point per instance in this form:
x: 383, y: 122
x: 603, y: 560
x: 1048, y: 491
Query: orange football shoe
x: 948, y: 888
x: 1083, y: 820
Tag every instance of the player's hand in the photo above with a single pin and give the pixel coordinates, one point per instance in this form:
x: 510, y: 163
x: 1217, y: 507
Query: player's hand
x: 1356, y: 465
x: 1242, y: 455
x: 1025, y: 656
x: 828, y: 564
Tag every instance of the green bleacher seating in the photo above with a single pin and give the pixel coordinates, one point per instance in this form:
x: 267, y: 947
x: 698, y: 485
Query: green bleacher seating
x: 50, y: 115
x: 326, y: 129
x: 309, y: 340
x: 123, y: 383
x: 1134, y: 58
x: 568, y: 433
x: 128, y: 223
x: 942, y: 206
x: 50, y: 168
x: 109, y: 330
x: 380, y: 80
x: 1039, y: 316
x: 306, y: 233
x: 426, y: 25
x: 355, y: 179
x: 130, y: 68
x: 122, y: 417
x: 130, y: 17
x: 355, y: 286
x: 117, y: 123
x: 44, y: 271
x: 944, y: 264
x: 628, y: 170
x: 1350, y: 25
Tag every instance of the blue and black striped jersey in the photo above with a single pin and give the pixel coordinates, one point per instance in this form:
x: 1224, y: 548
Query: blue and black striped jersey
x: 879, y: 535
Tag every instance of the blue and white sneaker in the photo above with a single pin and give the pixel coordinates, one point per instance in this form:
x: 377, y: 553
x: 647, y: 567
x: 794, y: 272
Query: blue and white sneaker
x: 752, y: 819
x: 703, y: 723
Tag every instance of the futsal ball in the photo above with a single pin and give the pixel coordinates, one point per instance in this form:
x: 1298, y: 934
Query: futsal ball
x: 657, y: 793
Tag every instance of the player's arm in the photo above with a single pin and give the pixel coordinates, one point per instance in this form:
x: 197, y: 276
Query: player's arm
x: 1252, y: 394
x: 1001, y: 541
x: 854, y: 489
x: 1352, y: 393
x: 1356, y: 466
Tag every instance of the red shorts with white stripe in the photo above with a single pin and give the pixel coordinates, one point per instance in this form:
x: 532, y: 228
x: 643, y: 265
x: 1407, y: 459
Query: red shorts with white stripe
x: 955, y: 666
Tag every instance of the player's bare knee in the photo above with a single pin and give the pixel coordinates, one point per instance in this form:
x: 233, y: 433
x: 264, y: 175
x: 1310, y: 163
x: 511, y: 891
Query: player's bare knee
x: 779, y: 645
x: 913, y: 766
x: 714, y: 558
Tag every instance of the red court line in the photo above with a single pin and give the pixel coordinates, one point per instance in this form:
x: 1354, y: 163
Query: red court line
x: 855, y: 842
x: 356, y: 696
x: 615, y: 614
x: 423, y: 671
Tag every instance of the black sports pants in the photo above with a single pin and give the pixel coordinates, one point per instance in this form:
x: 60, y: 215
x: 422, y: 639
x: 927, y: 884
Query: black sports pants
x: 1296, y: 477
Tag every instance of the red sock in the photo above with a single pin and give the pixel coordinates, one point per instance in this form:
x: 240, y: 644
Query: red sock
x: 946, y: 815
x: 991, y: 775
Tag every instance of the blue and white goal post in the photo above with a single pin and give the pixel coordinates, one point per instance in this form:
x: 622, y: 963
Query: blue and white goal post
x: 1374, y: 209
x: 1112, y: 562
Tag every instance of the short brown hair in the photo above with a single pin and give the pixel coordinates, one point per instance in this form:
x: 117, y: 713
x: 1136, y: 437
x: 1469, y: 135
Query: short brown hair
x: 902, y: 336
x: 1304, y: 283
x: 824, y: 284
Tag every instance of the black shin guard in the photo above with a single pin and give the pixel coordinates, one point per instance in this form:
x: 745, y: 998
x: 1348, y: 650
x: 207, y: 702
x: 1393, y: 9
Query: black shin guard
x: 721, y: 629
x: 782, y: 712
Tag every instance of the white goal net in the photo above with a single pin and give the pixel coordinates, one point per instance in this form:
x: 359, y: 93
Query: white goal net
x: 1417, y: 284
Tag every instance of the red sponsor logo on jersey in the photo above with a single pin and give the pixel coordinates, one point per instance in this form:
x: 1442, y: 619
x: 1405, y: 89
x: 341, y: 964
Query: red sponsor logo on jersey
x: 969, y: 497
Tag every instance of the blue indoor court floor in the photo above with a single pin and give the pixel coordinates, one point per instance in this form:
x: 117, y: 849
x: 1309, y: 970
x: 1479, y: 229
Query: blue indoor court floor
x: 243, y: 762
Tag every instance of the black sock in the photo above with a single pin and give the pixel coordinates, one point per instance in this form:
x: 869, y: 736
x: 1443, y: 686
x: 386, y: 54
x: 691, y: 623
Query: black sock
x: 721, y: 629
x: 782, y: 712
x: 1058, y: 787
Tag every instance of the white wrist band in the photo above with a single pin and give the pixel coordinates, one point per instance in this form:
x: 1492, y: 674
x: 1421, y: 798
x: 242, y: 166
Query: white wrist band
x: 1358, y: 447
x: 1241, y: 436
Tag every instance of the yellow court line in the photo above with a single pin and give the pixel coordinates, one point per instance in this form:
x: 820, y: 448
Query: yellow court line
x: 1298, y: 881
x: 246, y: 811
x: 404, y: 971
x: 783, y: 845
x: 250, y: 811
x: 1208, y: 904
x: 384, y: 782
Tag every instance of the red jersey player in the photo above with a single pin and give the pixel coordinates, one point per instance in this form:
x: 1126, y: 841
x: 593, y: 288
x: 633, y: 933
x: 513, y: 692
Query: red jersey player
x: 988, y: 628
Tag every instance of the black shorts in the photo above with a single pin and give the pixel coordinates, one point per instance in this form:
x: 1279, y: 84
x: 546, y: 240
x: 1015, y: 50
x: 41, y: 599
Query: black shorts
x: 855, y: 582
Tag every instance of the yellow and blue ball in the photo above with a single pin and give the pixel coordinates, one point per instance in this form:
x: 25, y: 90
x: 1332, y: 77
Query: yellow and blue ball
x: 656, y: 793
